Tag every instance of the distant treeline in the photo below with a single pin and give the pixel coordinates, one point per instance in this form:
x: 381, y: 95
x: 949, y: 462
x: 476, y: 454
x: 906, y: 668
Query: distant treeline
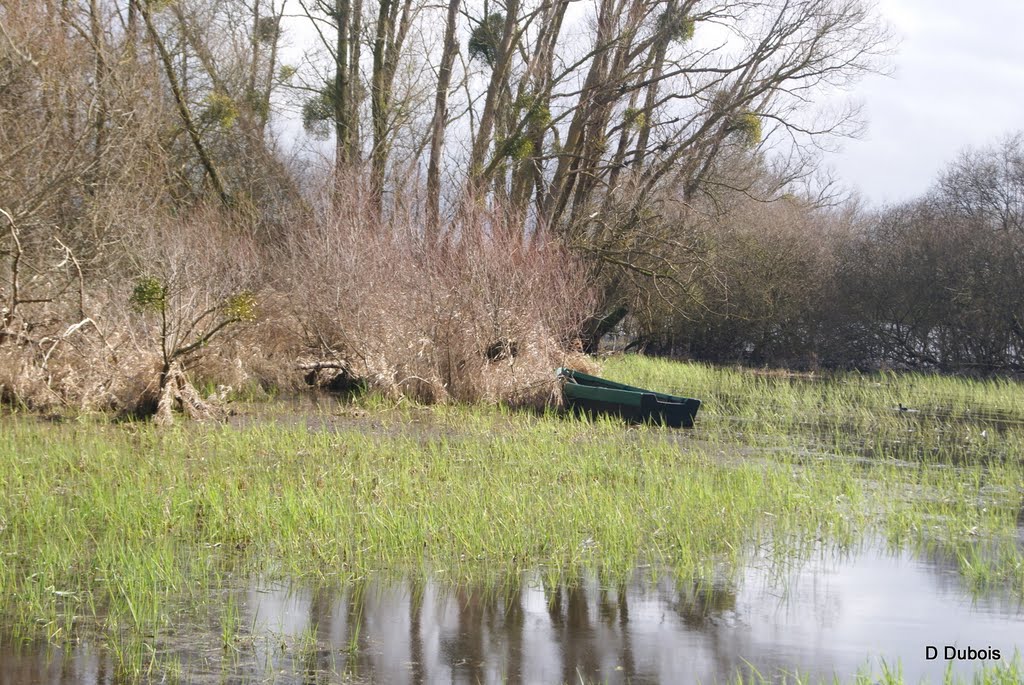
x: 932, y: 283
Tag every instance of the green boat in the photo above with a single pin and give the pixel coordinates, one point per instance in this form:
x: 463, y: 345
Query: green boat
x: 591, y: 395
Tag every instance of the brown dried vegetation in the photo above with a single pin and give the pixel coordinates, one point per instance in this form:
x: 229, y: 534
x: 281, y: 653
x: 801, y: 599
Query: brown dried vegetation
x: 419, y: 319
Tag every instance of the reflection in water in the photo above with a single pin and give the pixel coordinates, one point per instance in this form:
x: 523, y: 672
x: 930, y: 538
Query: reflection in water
x: 25, y: 666
x: 830, y: 616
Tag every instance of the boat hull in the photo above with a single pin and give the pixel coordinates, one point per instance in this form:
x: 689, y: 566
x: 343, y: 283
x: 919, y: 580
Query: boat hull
x: 592, y: 395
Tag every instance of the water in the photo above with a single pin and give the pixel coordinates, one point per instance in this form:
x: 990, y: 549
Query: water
x: 832, y: 615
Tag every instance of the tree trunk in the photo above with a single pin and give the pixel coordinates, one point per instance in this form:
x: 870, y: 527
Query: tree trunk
x: 182, y: 104
x: 497, y: 86
x: 100, y: 120
x: 387, y: 49
x: 342, y: 111
x: 438, y: 124
x: 354, y: 97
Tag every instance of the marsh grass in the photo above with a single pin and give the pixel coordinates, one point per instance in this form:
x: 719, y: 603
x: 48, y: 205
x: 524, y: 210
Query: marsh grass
x: 940, y: 460
x: 113, y: 527
x: 885, y: 673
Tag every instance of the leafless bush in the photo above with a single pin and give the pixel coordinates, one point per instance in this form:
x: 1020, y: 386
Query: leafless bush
x: 482, y: 315
x: 757, y: 281
x: 45, y: 316
x: 195, y: 280
x: 69, y: 340
x: 928, y: 285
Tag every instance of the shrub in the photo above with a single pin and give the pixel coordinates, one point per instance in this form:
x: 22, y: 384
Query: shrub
x: 417, y: 320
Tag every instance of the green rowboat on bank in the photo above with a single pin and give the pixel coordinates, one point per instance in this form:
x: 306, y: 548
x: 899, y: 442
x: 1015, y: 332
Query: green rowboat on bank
x: 588, y: 394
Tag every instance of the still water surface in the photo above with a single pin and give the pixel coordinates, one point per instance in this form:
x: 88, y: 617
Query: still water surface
x: 831, y: 615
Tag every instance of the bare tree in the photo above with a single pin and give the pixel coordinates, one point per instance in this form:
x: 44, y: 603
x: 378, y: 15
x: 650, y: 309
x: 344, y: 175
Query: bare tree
x: 439, y: 121
x: 183, y: 106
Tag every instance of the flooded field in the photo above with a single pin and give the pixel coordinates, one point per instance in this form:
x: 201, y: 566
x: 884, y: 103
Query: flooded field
x: 834, y: 615
x: 805, y: 530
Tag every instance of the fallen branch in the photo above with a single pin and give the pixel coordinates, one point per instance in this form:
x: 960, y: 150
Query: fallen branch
x: 317, y: 366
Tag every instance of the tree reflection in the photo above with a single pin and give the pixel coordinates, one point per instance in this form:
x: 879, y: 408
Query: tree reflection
x: 515, y: 622
x: 569, y: 611
x: 698, y: 601
x: 357, y: 660
x: 316, y: 661
x: 416, y: 591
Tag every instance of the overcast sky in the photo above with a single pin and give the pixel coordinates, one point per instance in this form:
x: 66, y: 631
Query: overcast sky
x: 958, y: 81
